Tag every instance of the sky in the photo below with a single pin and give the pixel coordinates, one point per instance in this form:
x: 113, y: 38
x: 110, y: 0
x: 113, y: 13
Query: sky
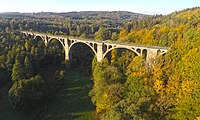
x: 138, y: 6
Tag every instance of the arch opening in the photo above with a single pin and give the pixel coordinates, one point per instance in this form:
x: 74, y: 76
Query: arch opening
x: 110, y: 46
x: 30, y: 36
x: 59, y: 40
x: 139, y: 51
x: 38, y: 39
x: 80, y: 57
x: 134, y: 51
x: 92, y: 48
x: 55, y: 52
x: 95, y: 47
x: 121, y: 58
x: 144, y: 53
x: 68, y: 42
x: 105, y: 47
x: 91, y: 44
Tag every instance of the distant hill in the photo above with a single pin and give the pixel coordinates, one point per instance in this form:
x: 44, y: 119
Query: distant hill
x: 95, y: 15
x: 88, y: 15
x: 11, y: 14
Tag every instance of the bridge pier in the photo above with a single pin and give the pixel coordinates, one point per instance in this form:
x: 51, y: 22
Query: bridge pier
x: 152, y: 54
x: 66, y: 53
x: 67, y: 56
x: 99, y: 52
x: 46, y: 42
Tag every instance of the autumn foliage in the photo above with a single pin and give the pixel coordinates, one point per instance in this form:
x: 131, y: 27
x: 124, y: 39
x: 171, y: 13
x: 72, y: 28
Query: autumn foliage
x: 170, y: 89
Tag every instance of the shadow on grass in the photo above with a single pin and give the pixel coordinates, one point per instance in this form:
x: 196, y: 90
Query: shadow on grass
x: 72, y: 101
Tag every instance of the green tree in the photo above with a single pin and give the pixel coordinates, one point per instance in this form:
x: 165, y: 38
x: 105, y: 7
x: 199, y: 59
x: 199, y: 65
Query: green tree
x: 27, y: 46
x: 4, y: 78
x: 103, y: 34
x: 138, y: 93
x: 27, y: 93
x: 114, y: 36
x: 18, y: 71
x: 94, y: 63
x: 188, y: 96
x: 104, y: 77
x: 29, y: 70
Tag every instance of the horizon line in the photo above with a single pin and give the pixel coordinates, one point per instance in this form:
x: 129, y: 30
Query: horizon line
x: 138, y: 12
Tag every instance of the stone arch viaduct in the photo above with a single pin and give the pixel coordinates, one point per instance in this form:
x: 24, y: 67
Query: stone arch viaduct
x: 101, y: 49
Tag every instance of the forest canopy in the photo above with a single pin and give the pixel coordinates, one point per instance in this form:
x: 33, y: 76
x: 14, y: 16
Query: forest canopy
x: 124, y: 87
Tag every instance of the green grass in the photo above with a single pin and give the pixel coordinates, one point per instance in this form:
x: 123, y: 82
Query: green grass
x: 70, y: 103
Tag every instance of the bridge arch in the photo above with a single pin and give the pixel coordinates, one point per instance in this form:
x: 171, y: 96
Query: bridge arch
x: 100, y: 49
x: 80, y: 42
x: 41, y: 37
x: 59, y: 40
x: 38, y: 36
x: 55, y: 48
x: 163, y: 52
x: 135, y: 51
x: 81, y: 54
x: 29, y: 35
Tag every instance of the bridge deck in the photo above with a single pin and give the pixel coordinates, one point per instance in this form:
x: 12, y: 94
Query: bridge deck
x: 91, y: 40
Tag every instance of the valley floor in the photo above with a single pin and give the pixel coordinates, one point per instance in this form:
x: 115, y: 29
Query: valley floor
x: 70, y: 103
